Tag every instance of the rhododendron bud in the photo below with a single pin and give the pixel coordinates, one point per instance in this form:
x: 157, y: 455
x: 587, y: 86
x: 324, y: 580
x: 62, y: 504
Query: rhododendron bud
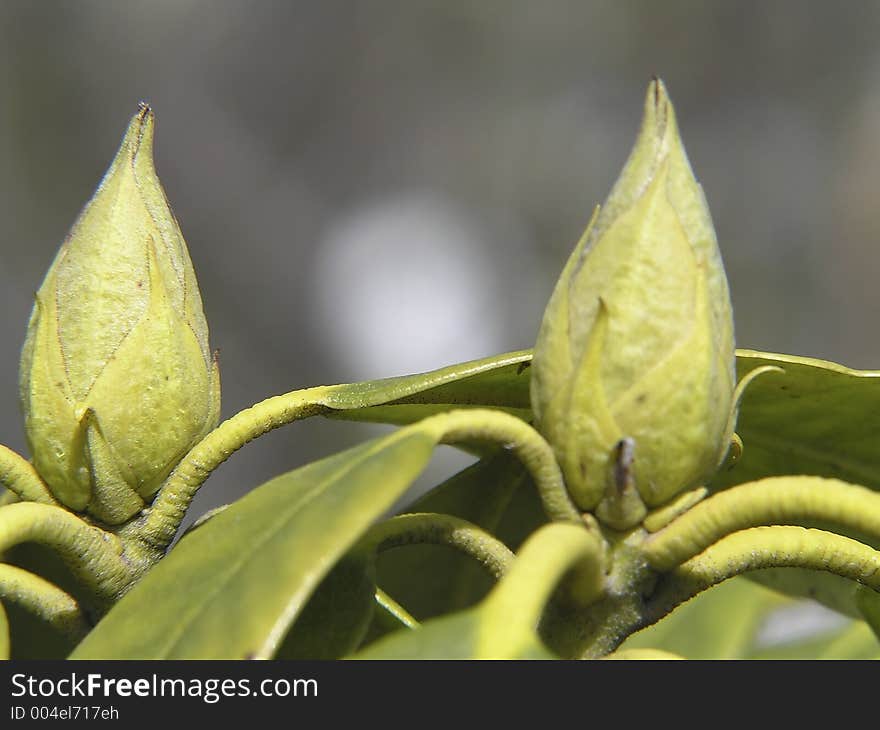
x: 117, y: 380
x: 633, y: 373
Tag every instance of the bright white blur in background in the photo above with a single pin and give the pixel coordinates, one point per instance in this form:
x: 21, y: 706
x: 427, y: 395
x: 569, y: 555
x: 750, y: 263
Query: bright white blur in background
x: 406, y: 283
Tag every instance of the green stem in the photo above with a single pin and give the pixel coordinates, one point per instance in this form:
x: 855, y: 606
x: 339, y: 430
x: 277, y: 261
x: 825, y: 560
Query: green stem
x: 519, y: 599
x: 441, y: 529
x: 99, y: 559
x: 43, y: 599
x: 159, y: 524
x: 157, y: 527
x: 393, y: 610
x: 766, y: 547
x: 776, y: 500
x: 18, y: 475
x: 524, y: 442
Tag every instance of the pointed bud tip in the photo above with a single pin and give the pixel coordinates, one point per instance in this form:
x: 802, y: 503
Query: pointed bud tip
x: 639, y: 324
x: 657, y: 89
x: 658, y: 107
x: 139, y: 136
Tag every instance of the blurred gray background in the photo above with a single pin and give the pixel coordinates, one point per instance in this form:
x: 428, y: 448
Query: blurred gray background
x: 375, y: 188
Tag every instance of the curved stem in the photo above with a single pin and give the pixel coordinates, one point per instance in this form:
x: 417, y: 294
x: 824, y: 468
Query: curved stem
x: 18, y: 475
x: 160, y: 522
x: 159, y: 525
x: 766, y: 547
x: 441, y: 529
x: 96, y: 557
x: 43, y: 599
x: 396, y: 614
x: 776, y: 500
x: 552, y: 551
x: 524, y: 442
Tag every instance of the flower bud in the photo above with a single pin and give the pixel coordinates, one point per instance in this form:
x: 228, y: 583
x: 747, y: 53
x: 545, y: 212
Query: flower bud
x: 117, y: 380
x: 633, y: 371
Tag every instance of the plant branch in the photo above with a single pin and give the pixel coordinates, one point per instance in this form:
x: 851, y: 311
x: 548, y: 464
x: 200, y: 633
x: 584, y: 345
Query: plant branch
x: 43, y: 599
x: 772, y: 501
x: 160, y: 522
x: 526, y: 444
x: 441, y: 529
x: 18, y: 475
x: 545, y: 558
x: 765, y: 547
x: 97, y: 558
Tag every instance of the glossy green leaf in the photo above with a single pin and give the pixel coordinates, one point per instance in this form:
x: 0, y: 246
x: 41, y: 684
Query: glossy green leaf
x: 335, y: 619
x: 501, y: 381
x: 720, y: 623
x: 232, y: 587
x: 456, y: 636
x: 816, y: 418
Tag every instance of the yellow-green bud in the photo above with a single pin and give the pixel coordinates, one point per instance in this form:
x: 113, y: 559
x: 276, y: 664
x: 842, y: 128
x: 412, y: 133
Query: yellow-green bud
x: 117, y: 380
x: 633, y: 372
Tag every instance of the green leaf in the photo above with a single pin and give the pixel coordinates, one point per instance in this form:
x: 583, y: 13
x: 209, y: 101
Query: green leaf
x: 815, y: 418
x: 720, y: 623
x: 501, y: 381
x: 457, y: 636
x: 335, y: 619
x: 232, y: 587
x: 496, y: 494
